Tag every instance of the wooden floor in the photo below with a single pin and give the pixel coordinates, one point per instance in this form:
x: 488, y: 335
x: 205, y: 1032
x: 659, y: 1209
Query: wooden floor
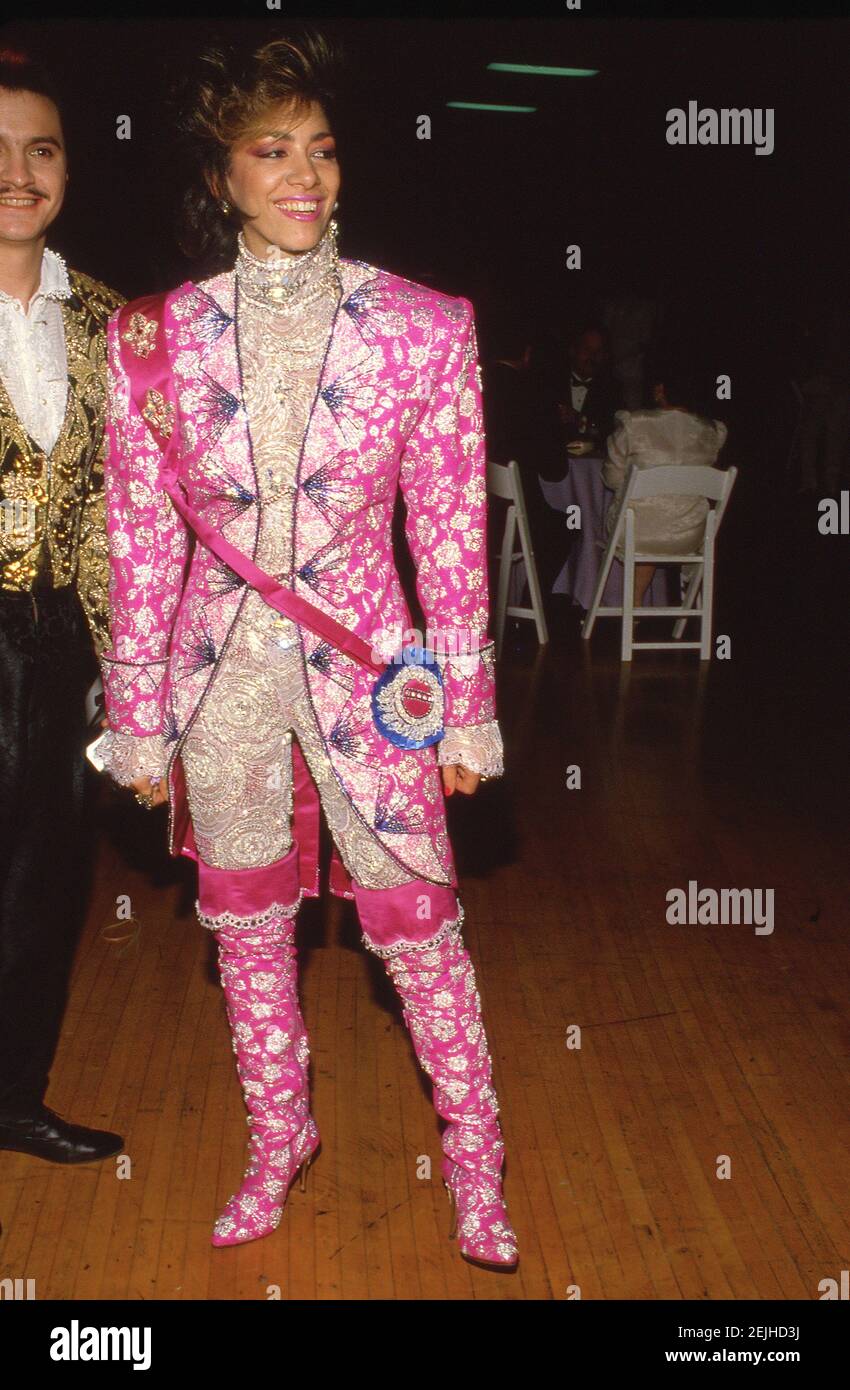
x: 697, y: 1042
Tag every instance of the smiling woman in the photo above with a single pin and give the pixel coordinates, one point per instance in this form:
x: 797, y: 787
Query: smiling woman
x: 239, y: 134
x: 291, y: 396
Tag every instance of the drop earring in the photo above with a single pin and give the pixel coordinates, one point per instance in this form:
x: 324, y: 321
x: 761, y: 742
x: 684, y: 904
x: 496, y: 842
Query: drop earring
x: 332, y: 233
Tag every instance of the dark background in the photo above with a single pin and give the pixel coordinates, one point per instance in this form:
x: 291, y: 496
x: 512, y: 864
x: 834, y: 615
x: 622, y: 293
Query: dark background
x: 733, y: 242
x: 736, y: 245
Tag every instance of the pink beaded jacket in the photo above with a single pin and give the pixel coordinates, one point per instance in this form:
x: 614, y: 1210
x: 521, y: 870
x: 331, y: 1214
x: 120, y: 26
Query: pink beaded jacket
x: 398, y: 405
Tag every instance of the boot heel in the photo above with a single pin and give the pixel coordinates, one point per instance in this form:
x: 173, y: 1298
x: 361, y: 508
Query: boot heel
x: 452, y: 1211
x: 305, y: 1166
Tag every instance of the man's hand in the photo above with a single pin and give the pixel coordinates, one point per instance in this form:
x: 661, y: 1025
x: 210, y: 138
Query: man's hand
x: 456, y: 777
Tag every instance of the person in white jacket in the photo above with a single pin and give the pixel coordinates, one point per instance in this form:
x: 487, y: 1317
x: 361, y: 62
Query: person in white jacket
x: 674, y: 432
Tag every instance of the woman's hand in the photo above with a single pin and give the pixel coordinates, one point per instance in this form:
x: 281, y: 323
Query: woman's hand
x: 158, y: 794
x: 456, y: 777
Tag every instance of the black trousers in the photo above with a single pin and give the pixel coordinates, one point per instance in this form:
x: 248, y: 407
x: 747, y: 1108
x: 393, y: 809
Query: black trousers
x: 46, y: 665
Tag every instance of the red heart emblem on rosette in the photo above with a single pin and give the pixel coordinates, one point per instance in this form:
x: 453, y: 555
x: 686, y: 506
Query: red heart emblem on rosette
x: 417, y: 699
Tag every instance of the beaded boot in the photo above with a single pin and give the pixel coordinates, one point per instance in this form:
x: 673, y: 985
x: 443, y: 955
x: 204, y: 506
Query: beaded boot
x: 258, y: 966
x: 435, y: 980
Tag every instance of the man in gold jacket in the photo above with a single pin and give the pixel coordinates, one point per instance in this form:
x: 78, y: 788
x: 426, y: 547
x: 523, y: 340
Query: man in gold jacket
x: 54, y: 612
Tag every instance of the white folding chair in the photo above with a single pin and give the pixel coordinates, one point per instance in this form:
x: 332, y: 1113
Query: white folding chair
x: 713, y: 483
x: 503, y: 480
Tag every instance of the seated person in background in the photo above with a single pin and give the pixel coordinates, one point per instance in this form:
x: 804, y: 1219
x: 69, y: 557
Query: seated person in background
x: 631, y: 321
x: 678, y: 431
x: 521, y: 422
x: 587, y: 408
x: 822, y: 372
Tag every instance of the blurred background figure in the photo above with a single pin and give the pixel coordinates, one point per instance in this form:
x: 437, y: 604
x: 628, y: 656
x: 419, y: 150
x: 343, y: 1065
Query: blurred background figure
x: 631, y: 322
x: 522, y: 422
x: 678, y: 430
x: 821, y: 373
x: 589, y: 398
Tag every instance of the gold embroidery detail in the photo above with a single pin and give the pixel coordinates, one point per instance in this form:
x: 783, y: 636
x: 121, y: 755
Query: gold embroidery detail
x: 63, y: 490
x: 158, y: 412
x: 140, y: 334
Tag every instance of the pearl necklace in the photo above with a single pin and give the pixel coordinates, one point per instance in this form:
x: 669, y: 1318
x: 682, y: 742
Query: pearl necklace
x: 289, y: 284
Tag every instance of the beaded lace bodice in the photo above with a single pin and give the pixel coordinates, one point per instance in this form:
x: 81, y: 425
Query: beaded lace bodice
x: 282, y: 346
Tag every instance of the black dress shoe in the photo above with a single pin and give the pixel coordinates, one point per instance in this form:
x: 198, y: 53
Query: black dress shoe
x: 46, y: 1135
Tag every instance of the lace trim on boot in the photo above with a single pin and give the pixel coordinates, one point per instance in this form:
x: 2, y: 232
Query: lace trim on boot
x: 398, y: 948
x: 257, y: 919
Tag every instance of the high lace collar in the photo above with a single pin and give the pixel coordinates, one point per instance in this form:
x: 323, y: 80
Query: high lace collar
x: 289, y: 284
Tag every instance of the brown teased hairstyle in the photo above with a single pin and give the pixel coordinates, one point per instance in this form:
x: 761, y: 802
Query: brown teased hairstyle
x: 225, y: 102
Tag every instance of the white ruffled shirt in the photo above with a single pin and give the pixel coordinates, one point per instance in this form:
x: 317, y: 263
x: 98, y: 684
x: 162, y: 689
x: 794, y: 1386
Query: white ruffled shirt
x: 33, y: 358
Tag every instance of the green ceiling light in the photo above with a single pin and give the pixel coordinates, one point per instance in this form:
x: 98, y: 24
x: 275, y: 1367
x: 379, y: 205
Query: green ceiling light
x: 487, y: 106
x: 537, y: 70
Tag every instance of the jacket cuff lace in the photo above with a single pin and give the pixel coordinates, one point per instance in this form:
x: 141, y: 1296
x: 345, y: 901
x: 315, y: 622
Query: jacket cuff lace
x: 127, y: 757
x: 478, y: 746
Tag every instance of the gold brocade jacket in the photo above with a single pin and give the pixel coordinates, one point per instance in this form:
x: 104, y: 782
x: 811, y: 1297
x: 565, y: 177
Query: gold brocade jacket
x: 52, y: 514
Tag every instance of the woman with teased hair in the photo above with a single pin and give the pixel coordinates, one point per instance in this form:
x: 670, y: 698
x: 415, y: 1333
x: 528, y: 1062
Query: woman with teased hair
x: 272, y: 410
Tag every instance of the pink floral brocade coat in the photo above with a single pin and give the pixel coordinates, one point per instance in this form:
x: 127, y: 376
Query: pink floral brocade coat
x: 398, y: 405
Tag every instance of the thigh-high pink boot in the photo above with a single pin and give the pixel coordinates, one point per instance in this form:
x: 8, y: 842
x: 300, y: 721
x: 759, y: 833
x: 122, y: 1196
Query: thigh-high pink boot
x: 252, y: 912
x: 415, y: 929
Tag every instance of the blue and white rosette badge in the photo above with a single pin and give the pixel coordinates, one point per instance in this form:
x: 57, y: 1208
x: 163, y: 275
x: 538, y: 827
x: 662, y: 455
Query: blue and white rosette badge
x: 407, y: 700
